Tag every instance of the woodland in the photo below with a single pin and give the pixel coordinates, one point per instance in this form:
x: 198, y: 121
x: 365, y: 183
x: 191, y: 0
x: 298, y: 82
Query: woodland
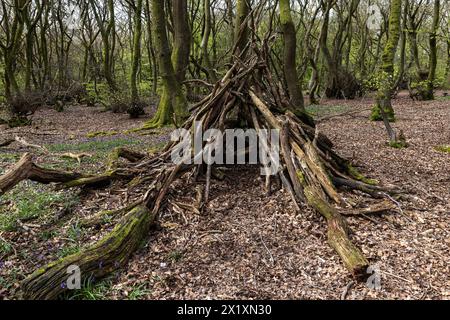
x: 93, y: 207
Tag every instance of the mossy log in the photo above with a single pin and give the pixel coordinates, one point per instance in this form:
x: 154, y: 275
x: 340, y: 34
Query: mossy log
x: 338, y: 239
x: 98, y: 260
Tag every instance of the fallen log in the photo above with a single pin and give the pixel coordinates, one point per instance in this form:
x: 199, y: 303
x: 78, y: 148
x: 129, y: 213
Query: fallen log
x: 338, y: 239
x: 106, y: 256
x: 26, y: 169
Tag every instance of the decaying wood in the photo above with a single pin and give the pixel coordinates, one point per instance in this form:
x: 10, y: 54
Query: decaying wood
x: 109, y: 254
x: 26, y: 169
x: 76, y: 156
x: 6, y: 142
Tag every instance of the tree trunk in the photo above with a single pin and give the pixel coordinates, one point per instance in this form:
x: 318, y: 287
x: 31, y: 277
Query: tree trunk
x: 290, y: 66
x: 172, y: 108
x: 212, y: 78
x: 243, y: 9
x: 429, y: 92
x: 182, y: 39
x: 136, y: 51
x: 384, y: 105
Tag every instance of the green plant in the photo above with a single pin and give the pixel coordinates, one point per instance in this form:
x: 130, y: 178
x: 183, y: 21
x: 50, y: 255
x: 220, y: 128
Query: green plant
x: 30, y: 201
x: 90, y: 290
x: 138, y: 292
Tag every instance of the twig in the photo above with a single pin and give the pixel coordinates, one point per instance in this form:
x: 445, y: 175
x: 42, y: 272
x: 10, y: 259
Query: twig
x: 272, y: 260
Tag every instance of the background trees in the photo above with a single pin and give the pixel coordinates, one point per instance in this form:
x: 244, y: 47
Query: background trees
x: 118, y: 49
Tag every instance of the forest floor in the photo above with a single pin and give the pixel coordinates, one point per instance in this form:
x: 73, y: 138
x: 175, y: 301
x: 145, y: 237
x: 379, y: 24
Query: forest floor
x: 244, y: 245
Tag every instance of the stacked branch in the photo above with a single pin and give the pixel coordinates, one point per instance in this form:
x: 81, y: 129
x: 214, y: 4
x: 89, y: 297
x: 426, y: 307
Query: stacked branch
x: 310, y: 172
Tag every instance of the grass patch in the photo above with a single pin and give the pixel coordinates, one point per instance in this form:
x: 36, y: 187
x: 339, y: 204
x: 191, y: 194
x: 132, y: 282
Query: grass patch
x: 443, y: 98
x: 92, y: 146
x: 318, y: 111
x: 138, y: 292
x: 90, y: 290
x: 32, y: 201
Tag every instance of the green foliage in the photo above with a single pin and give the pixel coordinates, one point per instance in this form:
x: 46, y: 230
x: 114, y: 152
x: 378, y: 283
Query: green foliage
x: 90, y: 290
x: 372, y: 82
x: 68, y: 250
x: 5, y: 247
x: 138, y: 292
x: 15, y: 275
x: 175, y: 256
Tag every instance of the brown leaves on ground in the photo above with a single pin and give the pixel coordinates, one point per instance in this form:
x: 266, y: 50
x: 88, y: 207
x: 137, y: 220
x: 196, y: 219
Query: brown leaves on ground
x: 251, y: 246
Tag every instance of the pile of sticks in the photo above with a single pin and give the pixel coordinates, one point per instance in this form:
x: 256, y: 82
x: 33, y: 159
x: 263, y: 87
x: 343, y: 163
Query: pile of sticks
x: 310, y: 172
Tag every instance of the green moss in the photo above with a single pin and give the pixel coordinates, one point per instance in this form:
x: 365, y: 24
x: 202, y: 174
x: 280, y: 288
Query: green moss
x: 359, y: 176
x: 376, y: 114
x: 443, y: 148
x: 398, y: 144
x: 300, y: 176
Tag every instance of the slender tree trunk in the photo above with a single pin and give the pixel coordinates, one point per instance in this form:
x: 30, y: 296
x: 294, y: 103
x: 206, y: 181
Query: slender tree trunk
x: 205, y: 40
x: 182, y: 39
x: 290, y: 67
x: 151, y: 49
x: 384, y: 106
x: 136, y: 51
x: 243, y: 9
x: 429, y: 94
x: 230, y: 20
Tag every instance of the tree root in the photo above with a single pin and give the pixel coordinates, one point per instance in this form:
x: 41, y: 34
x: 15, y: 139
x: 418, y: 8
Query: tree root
x: 26, y: 169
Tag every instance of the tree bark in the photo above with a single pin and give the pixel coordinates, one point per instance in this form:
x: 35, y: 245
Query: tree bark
x: 290, y: 66
x: 172, y: 108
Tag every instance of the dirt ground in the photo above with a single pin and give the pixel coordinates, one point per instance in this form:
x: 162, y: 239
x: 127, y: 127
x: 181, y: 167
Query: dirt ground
x: 246, y: 245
